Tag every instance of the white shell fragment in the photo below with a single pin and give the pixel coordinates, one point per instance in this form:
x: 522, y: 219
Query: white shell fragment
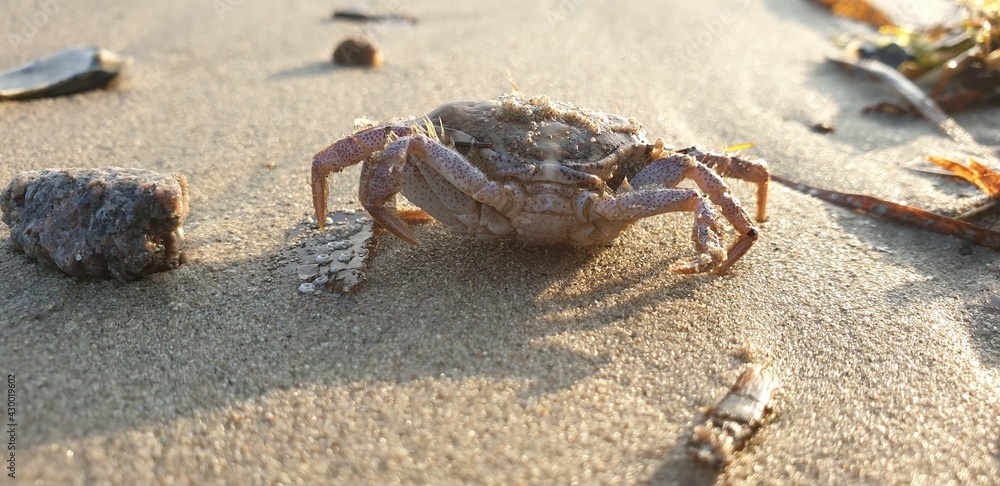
x: 735, y: 419
x: 331, y: 259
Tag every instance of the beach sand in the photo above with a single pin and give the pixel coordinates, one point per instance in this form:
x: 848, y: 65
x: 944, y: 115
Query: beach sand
x: 461, y: 361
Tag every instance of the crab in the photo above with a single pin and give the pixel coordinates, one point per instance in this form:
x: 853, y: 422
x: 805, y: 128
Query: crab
x: 543, y: 172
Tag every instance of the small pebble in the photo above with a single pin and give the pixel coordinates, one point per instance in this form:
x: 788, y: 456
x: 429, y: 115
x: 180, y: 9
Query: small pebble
x: 338, y: 245
x: 823, y: 127
x: 995, y: 301
x: 307, y: 271
x: 357, y: 51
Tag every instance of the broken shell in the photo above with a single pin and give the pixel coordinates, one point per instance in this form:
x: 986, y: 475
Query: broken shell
x: 336, y: 276
x: 65, y: 72
x: 731, y: 423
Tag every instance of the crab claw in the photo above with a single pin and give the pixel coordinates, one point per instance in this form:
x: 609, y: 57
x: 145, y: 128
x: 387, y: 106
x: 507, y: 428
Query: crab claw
x: 345, y: 153
x: 320, y: 192
x: 388, y: 217
x: 706, y: 240
x: 380, y: 181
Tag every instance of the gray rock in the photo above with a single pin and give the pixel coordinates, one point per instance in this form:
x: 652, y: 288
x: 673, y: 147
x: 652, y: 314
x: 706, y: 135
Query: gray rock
x: 102, y: 223
x: 65, y: 72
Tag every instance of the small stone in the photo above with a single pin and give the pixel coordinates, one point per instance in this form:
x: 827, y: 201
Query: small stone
x: 995, y: 301
x: 65, y: 72
x: 358, y: 51
x: 823, y: 127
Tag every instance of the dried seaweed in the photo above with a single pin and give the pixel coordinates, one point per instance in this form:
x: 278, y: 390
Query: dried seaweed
x: 955, y: 63
x: 986, y: 179
x: 899, y: 213
x: 857, y: 10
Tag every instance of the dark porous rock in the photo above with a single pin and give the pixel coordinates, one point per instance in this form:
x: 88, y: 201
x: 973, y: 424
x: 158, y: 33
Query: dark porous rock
x: 102, y: 223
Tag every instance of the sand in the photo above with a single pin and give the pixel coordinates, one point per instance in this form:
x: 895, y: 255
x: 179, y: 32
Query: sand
x: 460, y: 361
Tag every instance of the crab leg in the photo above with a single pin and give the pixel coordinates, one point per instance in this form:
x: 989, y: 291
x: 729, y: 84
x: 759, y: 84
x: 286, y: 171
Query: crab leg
x: 650, y: 201
x: 345, y: 153
x: 459, y: 172
x: 670, y: 170
x: 382, y: 179
x: 742, y: 168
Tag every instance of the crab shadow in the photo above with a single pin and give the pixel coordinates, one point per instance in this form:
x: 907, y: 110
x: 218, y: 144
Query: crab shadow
x: 490, y: 307
x: 95, y: 361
